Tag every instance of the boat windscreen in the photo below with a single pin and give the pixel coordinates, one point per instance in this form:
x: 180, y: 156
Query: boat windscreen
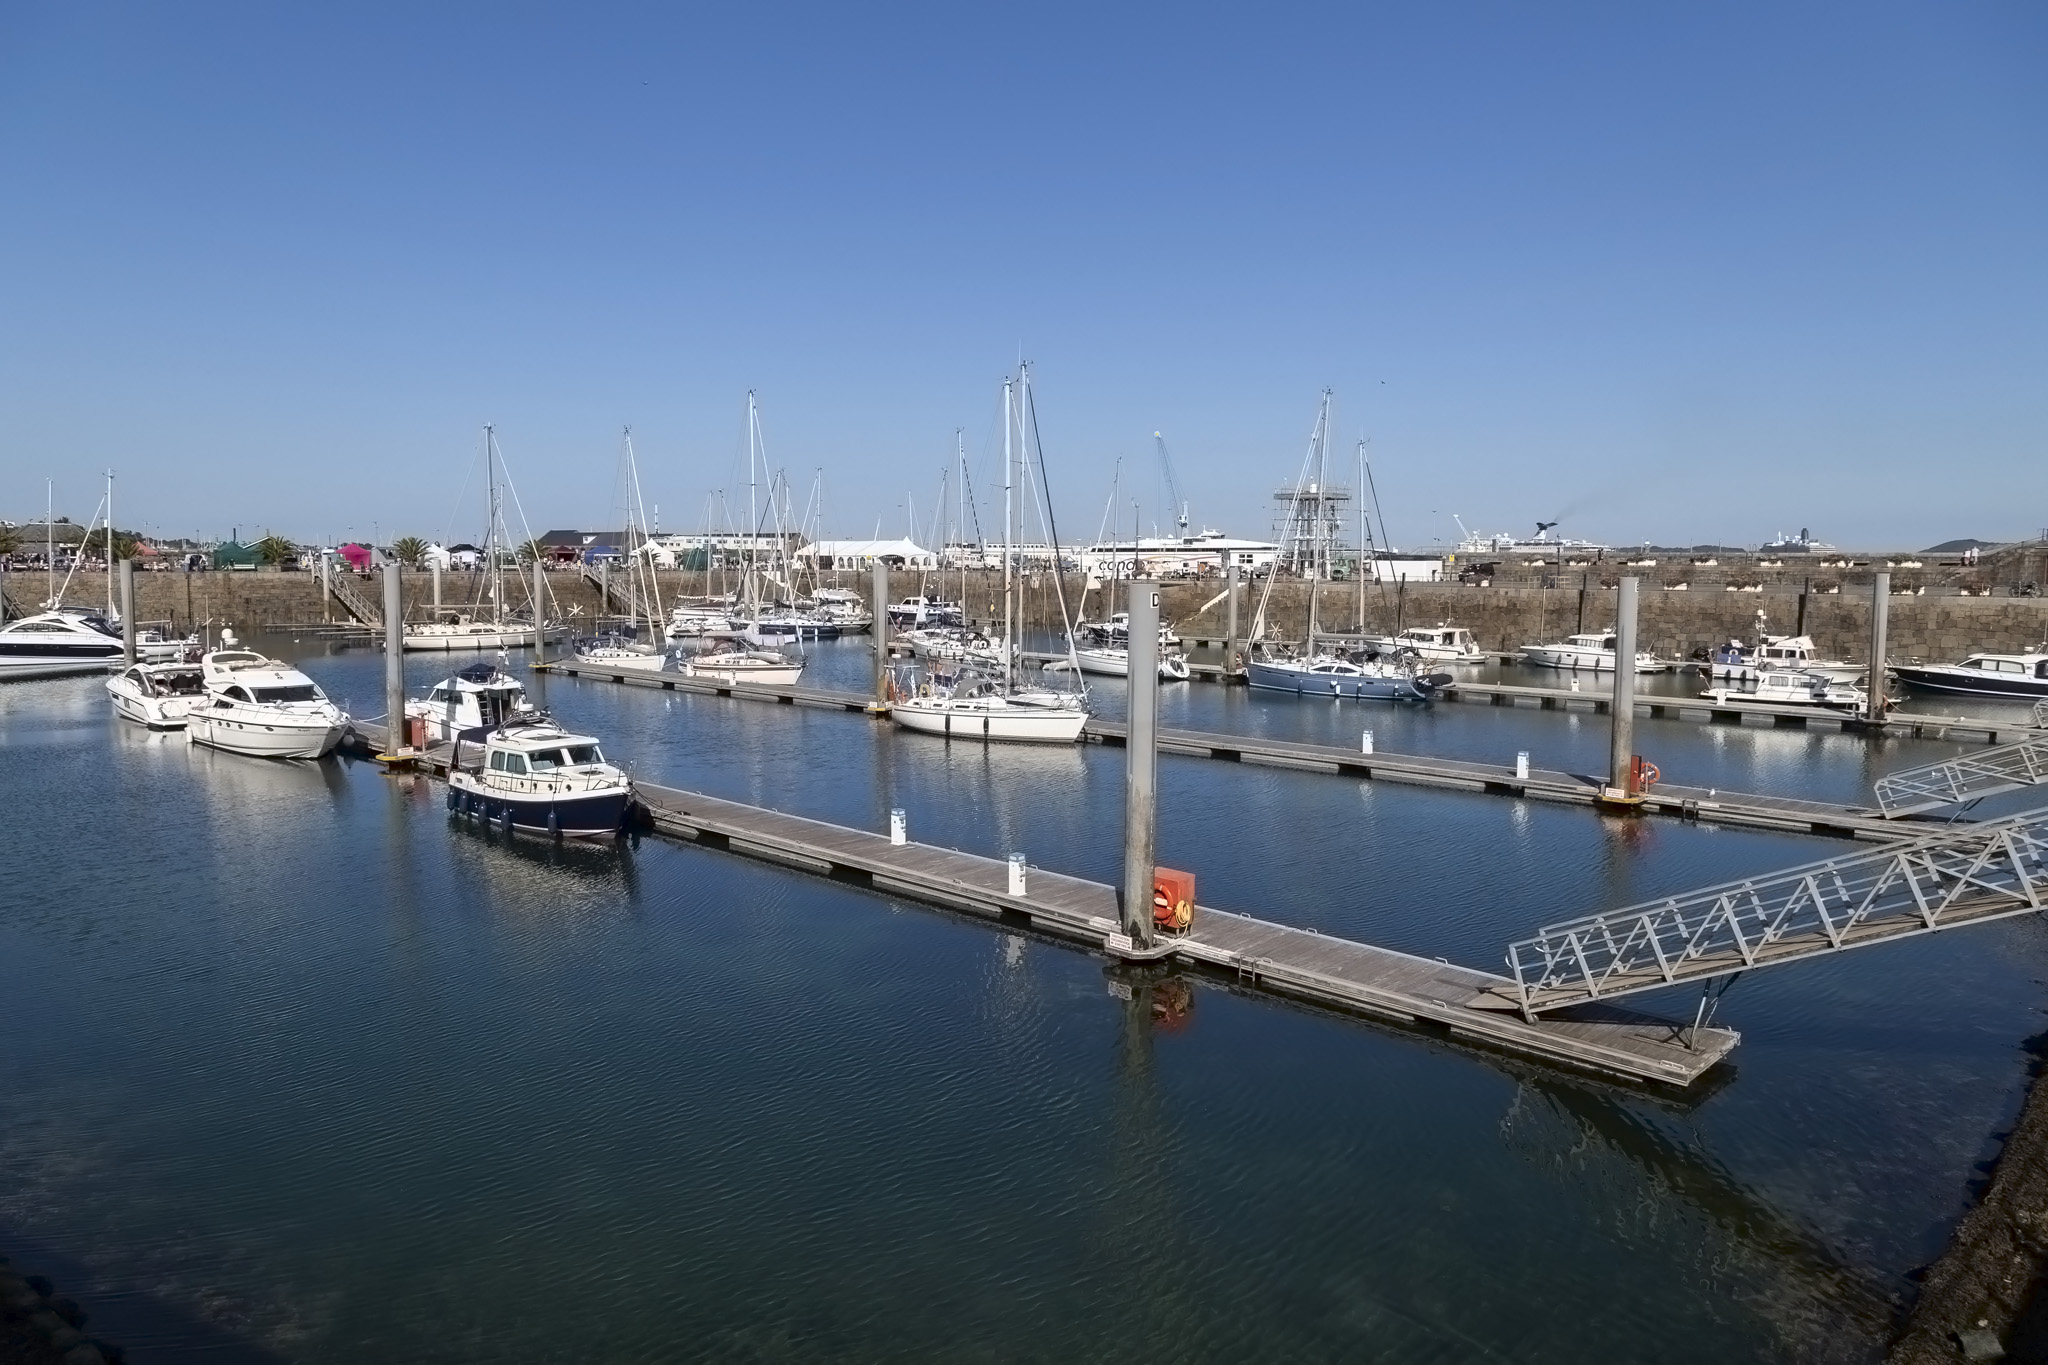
x: 292, y: 692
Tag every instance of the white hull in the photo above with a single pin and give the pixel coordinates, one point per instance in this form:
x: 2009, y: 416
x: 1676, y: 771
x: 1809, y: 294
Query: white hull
x: 57, y: 668
x: 272, y: 737
x: 158, y: 713
x: 1585, y: 660
x: 769, y: 675
x: 465, y: 638
x: 1116, y: 663
x: 624, y: 658
x: 991, y: 718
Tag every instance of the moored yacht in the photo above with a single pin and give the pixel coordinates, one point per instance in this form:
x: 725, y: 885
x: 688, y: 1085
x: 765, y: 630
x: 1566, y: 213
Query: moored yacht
x: 258, y: 706
x: 480, y: 697
x: 158, y: 695
x: 1983, y: 675
x: 1325, y: 675
x: 1593, y: 651
x: 1793, y: 687
x: 537, y: 777
x: 968, y: 705
x: 743, y: 666
x: 54, y: 644
x: 616, y: 653
x: 1114, y: 661
x: 457, y: 630
x: 1440, y: 643
x: 1733, y: 662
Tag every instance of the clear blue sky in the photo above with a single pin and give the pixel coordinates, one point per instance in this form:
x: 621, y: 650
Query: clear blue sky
x: 1675, y: 272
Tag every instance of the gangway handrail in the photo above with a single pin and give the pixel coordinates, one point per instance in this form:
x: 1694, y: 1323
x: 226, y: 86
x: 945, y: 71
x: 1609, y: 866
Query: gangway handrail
x: 609, y: 586
x: 352, y: 601
x: 1969, y: 777
x: 1965, y: 874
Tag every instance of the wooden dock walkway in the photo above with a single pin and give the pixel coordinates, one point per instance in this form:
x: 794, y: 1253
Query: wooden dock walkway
x: 1468, y: 1006
x: 1736, y: 710
x: 1689, y: 803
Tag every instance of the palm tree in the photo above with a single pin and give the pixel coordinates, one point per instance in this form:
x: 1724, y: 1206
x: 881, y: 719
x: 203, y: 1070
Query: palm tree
x: 10, y: 541
x: 531, y: 551
x: 409, y: 550
x: 274, y: 549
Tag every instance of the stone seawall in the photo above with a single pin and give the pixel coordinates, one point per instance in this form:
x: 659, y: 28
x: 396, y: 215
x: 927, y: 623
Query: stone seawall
x: 1672, y: 623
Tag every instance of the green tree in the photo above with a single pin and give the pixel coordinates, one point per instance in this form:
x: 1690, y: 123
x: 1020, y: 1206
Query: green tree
x: 274, y: 549
x: 409, y: 550
x: 10, y: 540
x: 531, y: 551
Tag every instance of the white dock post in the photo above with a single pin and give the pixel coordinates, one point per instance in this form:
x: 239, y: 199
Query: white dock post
x: 1880, y: 613
x: 1016, y: 874
x: 128, y: 610
x: 1522, y: 766
x: 1622, y: 742
x: 394, y: 662
x: 434, y: 568
x: 1365, y: 743
x: 1141, y: 763
x: 540, y: 614
x: 880, y: 630
x: 899, y: 826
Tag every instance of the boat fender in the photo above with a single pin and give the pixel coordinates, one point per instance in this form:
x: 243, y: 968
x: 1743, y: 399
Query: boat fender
x: 555, y: 825
x: 454, y: 797
x: 505, y: 820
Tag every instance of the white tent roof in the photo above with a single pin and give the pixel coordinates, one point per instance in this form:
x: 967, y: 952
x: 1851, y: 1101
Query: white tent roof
x: 864, y: 549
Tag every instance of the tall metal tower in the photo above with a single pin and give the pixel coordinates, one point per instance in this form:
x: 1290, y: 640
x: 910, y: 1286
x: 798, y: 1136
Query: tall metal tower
x: 1309, y: 525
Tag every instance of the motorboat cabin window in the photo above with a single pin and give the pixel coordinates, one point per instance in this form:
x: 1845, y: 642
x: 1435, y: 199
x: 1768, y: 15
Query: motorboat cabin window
x: 508, y: 763
x: 1607, y: 643
x: 1997, y: 665
x: 295, y: 692
x: 238, y: 694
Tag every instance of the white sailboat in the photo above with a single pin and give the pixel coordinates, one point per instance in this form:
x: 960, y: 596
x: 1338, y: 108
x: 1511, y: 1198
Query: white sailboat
x: 616, y: 651
x: 968, y: 704
x: 489, y: 623
x: 736, y: 662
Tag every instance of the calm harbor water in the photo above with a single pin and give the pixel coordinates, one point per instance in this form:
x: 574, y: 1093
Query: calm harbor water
x: 299, y: 1070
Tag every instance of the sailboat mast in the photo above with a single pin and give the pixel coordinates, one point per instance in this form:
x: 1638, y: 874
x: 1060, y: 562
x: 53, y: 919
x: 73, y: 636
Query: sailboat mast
x: 491, y: 531
x: 110, y: 544
x: 1009, y: 547
x: 753, y: 514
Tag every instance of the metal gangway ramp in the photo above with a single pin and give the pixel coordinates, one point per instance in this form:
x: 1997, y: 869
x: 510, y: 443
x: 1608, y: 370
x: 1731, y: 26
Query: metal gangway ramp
x: 615, y: 590
x: 1966, y: 874
x: 353, y: 602
x: 1969, y: 778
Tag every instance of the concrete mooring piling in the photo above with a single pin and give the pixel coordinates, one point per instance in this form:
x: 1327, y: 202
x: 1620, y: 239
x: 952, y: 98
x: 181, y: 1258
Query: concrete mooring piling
x: 1622, y: 741
x: 1141, y: 764
x: 1230, y: 622
x: 434, y: 571
x: 1880, y: 621
x: 394, y: 661
x: 540, y: 612
x: 128, y: 611
x: 879, y: 588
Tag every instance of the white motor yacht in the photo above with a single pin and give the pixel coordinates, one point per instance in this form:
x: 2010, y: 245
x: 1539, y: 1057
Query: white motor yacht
x: 537, y: 778
x: 696, y: 620
x: 478, y: 698
x: 743, y: 666
x: 54, y: 644
x: 1733, y: 662
x: 1983, y: 675
x: 158, y: 694
x: 1794, y: 687
x: 155, y: 647
x: 1440, y: 643
x: 258, y: 706
x: 967, y: 705
x: 1594, y: 652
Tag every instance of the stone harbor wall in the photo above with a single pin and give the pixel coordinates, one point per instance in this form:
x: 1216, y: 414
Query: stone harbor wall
x: 1672, y: 623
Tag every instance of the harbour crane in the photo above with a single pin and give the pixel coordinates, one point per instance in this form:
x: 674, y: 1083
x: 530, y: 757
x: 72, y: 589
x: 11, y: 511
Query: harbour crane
x: 1179, y: 504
